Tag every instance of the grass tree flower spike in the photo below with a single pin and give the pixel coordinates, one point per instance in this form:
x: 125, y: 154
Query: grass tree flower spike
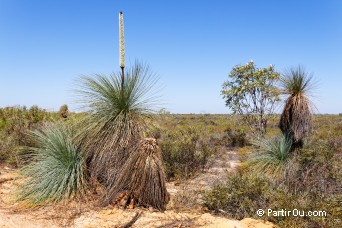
x: 122, y: 41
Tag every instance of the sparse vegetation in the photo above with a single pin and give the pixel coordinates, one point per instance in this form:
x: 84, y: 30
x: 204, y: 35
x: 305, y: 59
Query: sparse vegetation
x: 235, y: 137
x: 15, y: 124
x: 241, y: 196
x: 284, y: 172
x: 117, y: 152
x: 185, y: 152
x: 314, y: 186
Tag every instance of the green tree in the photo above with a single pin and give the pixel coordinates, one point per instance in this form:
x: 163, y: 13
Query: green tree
x: 251, y: 93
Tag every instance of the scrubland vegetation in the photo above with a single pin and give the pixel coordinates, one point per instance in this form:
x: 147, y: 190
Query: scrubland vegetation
x: 189, y: 142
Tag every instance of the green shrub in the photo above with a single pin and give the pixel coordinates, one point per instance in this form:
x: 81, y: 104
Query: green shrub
x: 235, y: 137
x: 304, y: 201
x: 184, y: 152
x: 321, y: 163
x: 36, y: 114
x: 8, y: 150
x: 15, y: 123
x: 56, y: 170
x: 241, y: 196
x: 2, y: 123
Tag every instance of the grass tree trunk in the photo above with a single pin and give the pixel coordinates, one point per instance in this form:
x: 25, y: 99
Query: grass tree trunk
x: 142, y: 179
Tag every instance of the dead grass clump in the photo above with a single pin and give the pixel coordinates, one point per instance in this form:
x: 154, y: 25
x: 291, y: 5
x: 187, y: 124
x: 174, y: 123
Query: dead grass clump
x: 186, y: 199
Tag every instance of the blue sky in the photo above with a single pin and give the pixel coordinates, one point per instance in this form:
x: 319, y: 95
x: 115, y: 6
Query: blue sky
x: 192, y: 45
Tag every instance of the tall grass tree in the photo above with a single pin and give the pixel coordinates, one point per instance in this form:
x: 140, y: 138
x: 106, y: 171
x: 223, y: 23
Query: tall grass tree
x: 119, y: 111
x: 295, y: 120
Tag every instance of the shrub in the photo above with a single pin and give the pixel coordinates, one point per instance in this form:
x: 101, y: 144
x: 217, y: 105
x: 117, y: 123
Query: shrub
x: 64, y: 111
x: 241, y: 196
x: 8, y: 149
x: 235, y: 137
x: 314, y: 186
x: 184, y: 152
x: 36, y: 114
x: 56, y: 170
x: 321, y: 163
x: 15, y: 123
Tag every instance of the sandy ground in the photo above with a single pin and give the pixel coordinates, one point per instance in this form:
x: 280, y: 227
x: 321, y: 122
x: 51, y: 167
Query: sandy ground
x: 183, y: 196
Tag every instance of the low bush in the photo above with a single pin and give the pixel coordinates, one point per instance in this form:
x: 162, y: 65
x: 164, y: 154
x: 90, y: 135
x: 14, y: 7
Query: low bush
x: 241, y: 196
x: 8, y: 150
x: 235, y: 137
x: 184, y: 152
x: 15, y: 123
x: 64, y: 111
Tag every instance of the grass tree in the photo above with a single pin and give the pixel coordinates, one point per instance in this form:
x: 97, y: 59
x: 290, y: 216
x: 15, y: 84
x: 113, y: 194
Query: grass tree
x: 118, y: 114
x: 142, y: 178
x: 119, y: 111
x: 56, y: 171
x: 295, y: 120
x: 273, y: 156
